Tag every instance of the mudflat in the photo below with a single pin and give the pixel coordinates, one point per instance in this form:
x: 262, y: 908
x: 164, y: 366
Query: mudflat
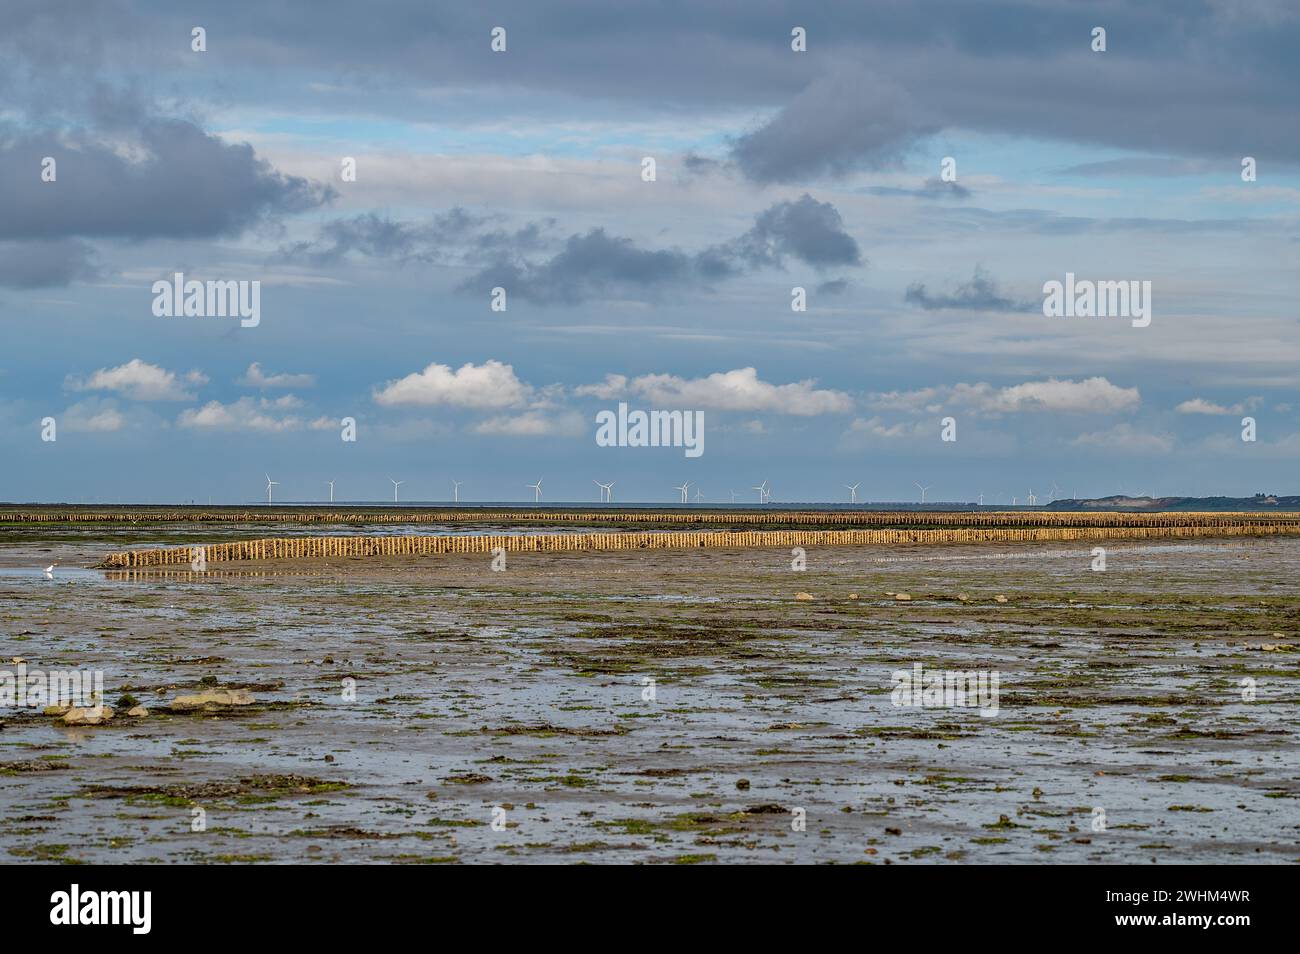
x: 659, y: 706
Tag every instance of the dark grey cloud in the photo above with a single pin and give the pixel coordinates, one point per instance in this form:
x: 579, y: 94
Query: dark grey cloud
x: 186, y: 183
x: 598, y: 264
x: 1153, y: 166
x: 536, y: 267
x: 46, y: 263
x: 836, y: 286
x: 844, y: 121
x: 981, y: 293
x: 456, y: 236
x: 932, y: 188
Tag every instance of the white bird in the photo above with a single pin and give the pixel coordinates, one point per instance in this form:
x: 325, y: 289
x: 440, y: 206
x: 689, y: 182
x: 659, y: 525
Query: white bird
x: 853, y: 491
x: 49, y: 571
x: 537, y: 490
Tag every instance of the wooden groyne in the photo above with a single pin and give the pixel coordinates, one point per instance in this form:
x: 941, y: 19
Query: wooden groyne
x: 719, y: 518
x: 327, y: 547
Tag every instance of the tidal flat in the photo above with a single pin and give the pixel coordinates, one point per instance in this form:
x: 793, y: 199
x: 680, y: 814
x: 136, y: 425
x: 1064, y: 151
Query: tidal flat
x: 661, y: 707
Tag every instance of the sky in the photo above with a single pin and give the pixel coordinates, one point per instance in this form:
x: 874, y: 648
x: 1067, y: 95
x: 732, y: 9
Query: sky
x: 920, y: 170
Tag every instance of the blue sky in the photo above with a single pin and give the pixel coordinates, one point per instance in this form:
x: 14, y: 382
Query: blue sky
x: 522, y: 169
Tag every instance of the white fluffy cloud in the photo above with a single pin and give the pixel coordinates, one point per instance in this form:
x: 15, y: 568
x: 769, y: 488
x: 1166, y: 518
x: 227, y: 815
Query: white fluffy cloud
x: 738, y: 390
x: 94, y: 415
x: 1125, y: 439
x: 1202, y: 406
x: 1090, y: 395
x: 140, y: 381
x: 242, y: 415
x: 531, y: 424
x: 255, y: 377
x: 485, y: 386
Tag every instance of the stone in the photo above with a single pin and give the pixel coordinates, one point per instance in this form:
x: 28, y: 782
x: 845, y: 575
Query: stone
x: 212, y: 699
x: 803, y: 596
x: 57, y: 710
x: 962, y: 597
x: 903, y: 597
x: 999, y: 598
x: 91, y: 716
x: 137, y: 712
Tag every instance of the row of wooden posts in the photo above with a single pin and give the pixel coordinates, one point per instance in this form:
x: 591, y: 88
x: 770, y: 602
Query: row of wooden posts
x: 1034, y: 518
x: 325, y: 547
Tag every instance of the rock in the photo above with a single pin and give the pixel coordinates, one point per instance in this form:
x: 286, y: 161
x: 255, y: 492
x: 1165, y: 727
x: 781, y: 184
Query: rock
x: 742, y: 784
x: 962, y: 597
x: 803, y: 596
x: 95, y: 716
x: 137, y: 712
x: 56, y: 710
x: 889, y: 592
x: 853, y: 596
x: 903, y: 597
x: 212, y: 699
x: 999, y: 598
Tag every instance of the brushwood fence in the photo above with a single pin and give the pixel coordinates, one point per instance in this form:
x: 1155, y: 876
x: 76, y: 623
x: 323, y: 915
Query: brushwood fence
x: 849, y: 518
x: 323, y: 548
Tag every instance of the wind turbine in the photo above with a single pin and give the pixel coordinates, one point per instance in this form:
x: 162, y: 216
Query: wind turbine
x: 922, y: 489
x: 396, y: 484
x: 699, y: 494
x: 1053, y: 492
x: 606, y: 491
x: 762, y: 492
x: 853, y: 491
x: 1031, y: 498
x: 269, y: 484
x: 981, y: 498
x: 682, y: 488
x: 455, y: 490
x: 733, y: 496
x: 331, y: 483
x: 537, y: 490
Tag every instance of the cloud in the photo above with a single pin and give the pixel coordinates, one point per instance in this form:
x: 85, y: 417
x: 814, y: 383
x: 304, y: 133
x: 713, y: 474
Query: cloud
x: 489, y: 385
x: 613, y: 386
x: 246, y: 414
x: 163, y: 178
x: 94, y: 415
x: 844, y: 121
x: 874, y: 427
x: 254, y: 377
x: 932, y: 188
x: 739, y: 390
x: 1091, y: 395
x: 1202, y: 406
x: 1152, y: 166
x: 452, y: 237
x: 981, y: 293
x: 139, y: 381
x: 598, y: 264
x: 532, y: 424
x: 1126, y: 439
x: 46, y: 263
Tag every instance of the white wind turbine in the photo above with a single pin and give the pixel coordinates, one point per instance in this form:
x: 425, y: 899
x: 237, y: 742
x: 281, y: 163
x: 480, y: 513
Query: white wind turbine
x: 699, y: 494
x: 1031, y: 498
x: 537, y: 490
x: 733, y: 496
x: 396, y: 484
x: 269, y: 484
x: 922, y: 489
x: 682, y: 488
x: 981, y: 498
x: 606, y: 491
x: 762, y: 492
x: 455, y: 490
x: 331, y: 483
x: 853, y: 491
